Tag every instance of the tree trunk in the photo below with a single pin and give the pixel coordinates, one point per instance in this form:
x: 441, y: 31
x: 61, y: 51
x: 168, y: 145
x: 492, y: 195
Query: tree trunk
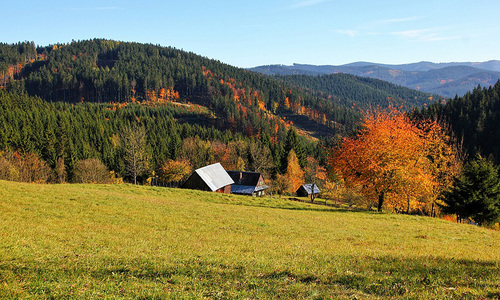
x: 312, y: 193
x: 381, y: 197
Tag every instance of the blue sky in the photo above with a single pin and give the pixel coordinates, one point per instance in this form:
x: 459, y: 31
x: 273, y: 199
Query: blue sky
x: 258, y: 32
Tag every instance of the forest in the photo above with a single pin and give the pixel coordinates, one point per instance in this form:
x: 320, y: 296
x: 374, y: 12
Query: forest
x: 367, y: 93
x: 107, y: 111
x: 473, y: 118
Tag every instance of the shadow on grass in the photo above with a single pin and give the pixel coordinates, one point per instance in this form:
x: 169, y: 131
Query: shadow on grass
x: 418, y: 278
x: 276, y: 203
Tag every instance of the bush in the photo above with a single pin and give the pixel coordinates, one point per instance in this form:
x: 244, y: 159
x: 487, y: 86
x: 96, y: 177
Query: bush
x: 91, y: 170
x: 27, y: 167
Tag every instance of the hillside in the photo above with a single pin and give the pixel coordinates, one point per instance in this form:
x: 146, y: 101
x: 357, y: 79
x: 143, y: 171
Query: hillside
x: 65, y: 103
x: 355, y: 91
x: 445, y: 79
x: 86, y: 241
x: 120, y: 72
x: 107, y: 71
x: 474, y: 119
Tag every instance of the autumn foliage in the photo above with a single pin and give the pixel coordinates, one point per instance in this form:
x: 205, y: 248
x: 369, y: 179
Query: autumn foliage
x: 23, y: 167
x: 397, y: 162
x: 294, y: 172
x: 175, y: 170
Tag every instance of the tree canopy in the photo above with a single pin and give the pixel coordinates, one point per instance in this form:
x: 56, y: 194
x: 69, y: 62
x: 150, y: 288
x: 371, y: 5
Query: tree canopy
x: 397, y: 161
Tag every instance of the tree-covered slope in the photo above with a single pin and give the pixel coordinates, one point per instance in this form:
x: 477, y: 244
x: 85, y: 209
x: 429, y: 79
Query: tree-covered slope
x: 350, y: 90
x: 111, y: 71
x: 444, y: 79
x: 474, y: 118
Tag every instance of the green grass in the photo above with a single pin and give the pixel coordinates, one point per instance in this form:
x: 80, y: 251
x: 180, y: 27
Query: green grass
x: 124, y: 241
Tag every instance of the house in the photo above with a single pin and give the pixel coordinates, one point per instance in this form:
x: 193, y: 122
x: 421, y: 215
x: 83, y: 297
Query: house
x: 305, y: 190
x: 247, y: 183
x: 210, y: 178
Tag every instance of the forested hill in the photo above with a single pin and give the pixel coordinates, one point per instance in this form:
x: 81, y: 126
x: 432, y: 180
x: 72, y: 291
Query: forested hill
x: 474, y: 118
x: 445, y: 79
x: 367, y: 93
x: 121, y: 72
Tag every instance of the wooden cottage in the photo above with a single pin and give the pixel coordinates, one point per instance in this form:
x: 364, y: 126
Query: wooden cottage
x: 247, y: 183
x: 210, y: 178
x: 306, y: 190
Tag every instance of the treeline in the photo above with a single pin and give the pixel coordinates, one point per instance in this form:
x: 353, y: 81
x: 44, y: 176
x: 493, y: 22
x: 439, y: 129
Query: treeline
x: 366, y: 93
x: 18, y: 53
x: 110, y: 71
x: 12, y: 59
x: 474, y: 118
x: 60, y: 135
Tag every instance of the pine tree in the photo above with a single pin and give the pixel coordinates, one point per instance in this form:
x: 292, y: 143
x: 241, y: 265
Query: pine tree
x: 475, y: 193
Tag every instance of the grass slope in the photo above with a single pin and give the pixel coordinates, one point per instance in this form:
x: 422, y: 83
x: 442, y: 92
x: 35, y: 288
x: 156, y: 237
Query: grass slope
x: 124, y: 241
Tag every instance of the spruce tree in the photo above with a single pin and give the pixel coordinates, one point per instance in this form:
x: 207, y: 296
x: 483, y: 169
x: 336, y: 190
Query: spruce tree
x: 475, y: 193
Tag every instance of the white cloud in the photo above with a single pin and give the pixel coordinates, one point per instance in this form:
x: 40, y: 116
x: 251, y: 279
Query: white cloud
x: 423, y: 35
x: 374, y: 27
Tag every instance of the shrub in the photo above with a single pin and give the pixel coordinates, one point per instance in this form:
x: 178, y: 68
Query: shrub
x: 91, y: 170
x: 26, y: 167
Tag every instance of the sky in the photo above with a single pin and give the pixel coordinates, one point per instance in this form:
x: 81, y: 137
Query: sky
x: 261, y: 32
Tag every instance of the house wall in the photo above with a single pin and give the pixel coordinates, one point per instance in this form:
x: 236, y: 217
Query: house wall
x: 261, y: 181
x: 301, y: 192
x: 196, y: 183
x: 224, y: 190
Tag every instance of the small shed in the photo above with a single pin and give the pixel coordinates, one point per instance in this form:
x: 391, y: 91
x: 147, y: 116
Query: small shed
x: 248, y: 183
x: 306, y: 190
x: 210, y: 178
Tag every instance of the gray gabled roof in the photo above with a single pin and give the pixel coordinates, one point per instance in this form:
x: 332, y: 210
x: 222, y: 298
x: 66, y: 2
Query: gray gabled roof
x: 308, y: 188
x: 214, y: 176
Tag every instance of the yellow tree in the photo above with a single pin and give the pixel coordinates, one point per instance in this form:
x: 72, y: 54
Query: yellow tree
x: 445, y: 158
x: 175, y: 170
x: 392, y: 159
x: 294, y: 172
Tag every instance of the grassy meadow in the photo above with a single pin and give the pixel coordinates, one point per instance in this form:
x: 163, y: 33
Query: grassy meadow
x: 124, y: 241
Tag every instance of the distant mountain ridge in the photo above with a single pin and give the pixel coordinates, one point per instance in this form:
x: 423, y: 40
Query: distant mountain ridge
x: 445, y: 79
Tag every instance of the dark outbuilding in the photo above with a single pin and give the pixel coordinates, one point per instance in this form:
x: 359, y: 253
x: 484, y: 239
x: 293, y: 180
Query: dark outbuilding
x: 306, y: 190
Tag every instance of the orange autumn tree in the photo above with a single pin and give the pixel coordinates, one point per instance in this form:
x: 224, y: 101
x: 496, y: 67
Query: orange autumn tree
x: 396, y: 161
x: 294, y: 172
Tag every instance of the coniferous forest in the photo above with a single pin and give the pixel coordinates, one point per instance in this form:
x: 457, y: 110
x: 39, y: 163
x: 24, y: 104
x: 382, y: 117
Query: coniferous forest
x: 474, y: 119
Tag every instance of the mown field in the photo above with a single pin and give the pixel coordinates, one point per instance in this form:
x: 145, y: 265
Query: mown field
x: 125, y: 241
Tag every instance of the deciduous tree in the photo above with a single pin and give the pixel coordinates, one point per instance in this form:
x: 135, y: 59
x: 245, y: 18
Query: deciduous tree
x: 314, y: 174
x: 91, y: 170
x: 393, y: 159
x: 175, y: 170
x: 281, y: 184
x: 294, y: 172
x: 136, y: 155
x: 60, y: 170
